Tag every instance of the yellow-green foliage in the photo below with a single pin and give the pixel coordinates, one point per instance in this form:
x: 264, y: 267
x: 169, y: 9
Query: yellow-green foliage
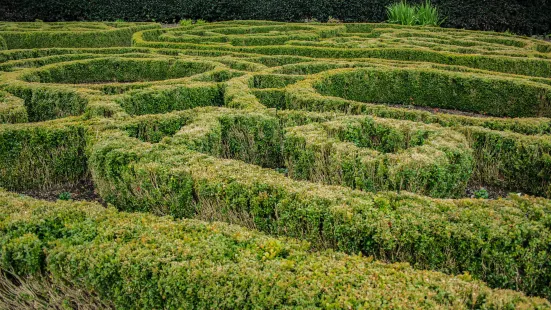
x: 68, y: 34
x: 41, y: 156
x: 357, y: 137
x: 12, y: 109
x: 140, y: 261
x: 380, y: 154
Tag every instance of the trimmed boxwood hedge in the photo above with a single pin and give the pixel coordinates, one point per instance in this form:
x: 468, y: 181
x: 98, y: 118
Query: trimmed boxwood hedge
x: 380, y: 154
x: 436, y: 89
x: 218, y: 122
x: 41, y: 35
x: 502, y: 158
x: 139, y: 261
x: 12, y: 109
x: 40, y: 157
x: 493, y: 240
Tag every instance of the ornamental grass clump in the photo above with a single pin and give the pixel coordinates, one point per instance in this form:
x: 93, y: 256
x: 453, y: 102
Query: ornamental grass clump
x: 424, y: 14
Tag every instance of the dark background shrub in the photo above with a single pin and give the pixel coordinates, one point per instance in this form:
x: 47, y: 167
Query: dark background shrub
x: 519, y: 16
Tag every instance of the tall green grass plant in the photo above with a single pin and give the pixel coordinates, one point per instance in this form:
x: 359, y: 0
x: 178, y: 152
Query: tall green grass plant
x: 424, y: 14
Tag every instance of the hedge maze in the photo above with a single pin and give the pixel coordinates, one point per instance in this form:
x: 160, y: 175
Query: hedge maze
x: 360, y: 140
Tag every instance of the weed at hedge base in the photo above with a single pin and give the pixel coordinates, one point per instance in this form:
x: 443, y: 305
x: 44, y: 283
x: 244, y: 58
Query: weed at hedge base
x: 297, y: 130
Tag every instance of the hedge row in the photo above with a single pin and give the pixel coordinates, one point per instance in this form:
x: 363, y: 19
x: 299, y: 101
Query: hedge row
x: 483, y: 94
x: 139, y: 261
x: 53, y: 90
x: 531, y: 58
x: 509, y: 160
x: 248, y: 33
x: 375, y: 154
x: 25, y: 58
x: 503, y: 242
x: 12, y: 109
x: 44, y: 103
x: 526, y: 17
x: 21, y: 36
x: 303, y: 96
x: 107, y: 70
x: 166, y: 99
x: 42, y: 156
x: 230, y: 159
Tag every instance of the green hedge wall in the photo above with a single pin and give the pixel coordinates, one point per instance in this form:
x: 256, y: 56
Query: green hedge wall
x: 375, y: 154
x: 19, y: 36
x: 484, y: 94
x: 494, y: 240
x: 34, y: 156
x: 140, y: 261
x: 182, y: 132
x: 12, y: 109
x: 527, y: 17
x: 503, y: 158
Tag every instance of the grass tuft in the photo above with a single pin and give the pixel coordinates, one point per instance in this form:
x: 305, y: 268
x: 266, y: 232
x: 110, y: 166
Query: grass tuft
x: 424, y: 14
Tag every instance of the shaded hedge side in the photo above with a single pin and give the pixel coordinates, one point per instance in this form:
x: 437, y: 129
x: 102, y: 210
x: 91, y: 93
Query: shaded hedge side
x: 34, y: 156
x: 526, y: 17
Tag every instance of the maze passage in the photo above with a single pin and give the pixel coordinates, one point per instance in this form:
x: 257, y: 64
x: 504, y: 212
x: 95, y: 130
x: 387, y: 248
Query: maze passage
x: 361, y: 138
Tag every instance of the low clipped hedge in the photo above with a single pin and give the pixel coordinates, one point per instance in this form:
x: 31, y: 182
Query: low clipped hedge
x: 511, y: 160
x: 139, y: 261
x: 438, y: 89
x: 40, y: 157
x: 12, y: 109
x: 380, y: 154
x: 21, y: 36
x: 44, y: 103
x: 506, y: 152
x: 56, y: 90
x: 167, y: 99
x: 207, y: 122
x: 531, y: 66
x: 108, y: 70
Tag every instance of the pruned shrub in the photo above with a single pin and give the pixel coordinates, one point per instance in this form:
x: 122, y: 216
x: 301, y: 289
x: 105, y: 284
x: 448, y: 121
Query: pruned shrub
x: 358, y: 138
x: 139, y: 261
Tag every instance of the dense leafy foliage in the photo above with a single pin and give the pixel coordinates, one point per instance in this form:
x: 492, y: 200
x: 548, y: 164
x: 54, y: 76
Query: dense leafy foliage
x: 140, y: 261
x: 526, y: 17
x: 361, y: 138
x: 40, y: 35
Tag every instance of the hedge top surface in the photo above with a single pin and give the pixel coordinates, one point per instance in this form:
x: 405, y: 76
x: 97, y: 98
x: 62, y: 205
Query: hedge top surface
x: 314, y: 131
x: 69, y: 34
x: 251, y: 36
x: 215, y: 265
